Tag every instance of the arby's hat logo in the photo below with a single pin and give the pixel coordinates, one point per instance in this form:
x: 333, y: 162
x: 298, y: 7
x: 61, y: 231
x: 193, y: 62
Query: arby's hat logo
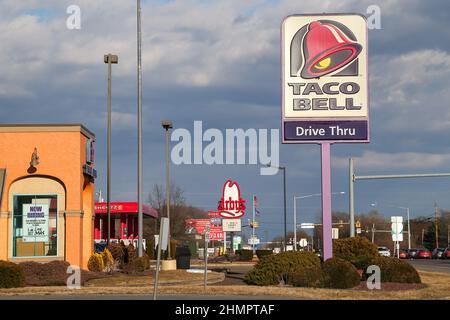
x: 231, y: 205
x: 323, y: 47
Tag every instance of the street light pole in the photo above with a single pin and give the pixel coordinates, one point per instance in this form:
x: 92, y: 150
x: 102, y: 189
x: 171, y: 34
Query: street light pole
x: 284, y: 192
x: 167, y: 124
x: 139, y: 125
x: 109, y: 59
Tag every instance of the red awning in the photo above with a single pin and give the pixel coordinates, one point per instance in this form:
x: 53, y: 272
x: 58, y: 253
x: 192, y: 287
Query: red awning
x: 125, y: 207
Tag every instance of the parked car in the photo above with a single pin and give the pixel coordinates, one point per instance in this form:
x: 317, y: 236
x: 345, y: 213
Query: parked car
x: 403, y: 254
x: 437, y: 253
x: 412, y: 253
x: 424, y: 254
x: 384, y: 251
x: 446, y: 253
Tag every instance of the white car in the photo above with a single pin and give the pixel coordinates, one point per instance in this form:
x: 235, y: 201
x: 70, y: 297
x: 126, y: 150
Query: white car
x: 384, y: 251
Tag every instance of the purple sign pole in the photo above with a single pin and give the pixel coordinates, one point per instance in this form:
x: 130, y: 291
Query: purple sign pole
x: 326, y: 200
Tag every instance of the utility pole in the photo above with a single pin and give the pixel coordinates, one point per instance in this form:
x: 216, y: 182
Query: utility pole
x: 423, y: 233
x: 436, y: 224
x: 373, y: 232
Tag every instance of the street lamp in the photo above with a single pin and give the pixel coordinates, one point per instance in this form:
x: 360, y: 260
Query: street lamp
x: 109, y: 59
x: 284, y: 195
x: 295, y: 211
x: 167, y: 124
x: 407, y: 217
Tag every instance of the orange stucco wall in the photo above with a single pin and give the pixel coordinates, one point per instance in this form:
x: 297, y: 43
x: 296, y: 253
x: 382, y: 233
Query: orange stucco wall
x: 62, y: 154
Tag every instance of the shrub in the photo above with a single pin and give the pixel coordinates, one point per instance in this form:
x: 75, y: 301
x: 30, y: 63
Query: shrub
x: 139, y: 264
x: 53, y: 273
x: 150, y: 248
x: 396, y: 270
x: 262, y: 253
x: 117, y: 251
x: 340, y: 274
x: 357, y: 250
x: 310, y: 277
x: 95, y: 263
x: 274, y: 269
x: 11, y: 275
x: 245, y: 255
x: 108, y: 260
x: 131, y: 253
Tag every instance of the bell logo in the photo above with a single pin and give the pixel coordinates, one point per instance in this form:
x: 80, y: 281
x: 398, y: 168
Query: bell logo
x: 323, y: 47
x: 231, y: 205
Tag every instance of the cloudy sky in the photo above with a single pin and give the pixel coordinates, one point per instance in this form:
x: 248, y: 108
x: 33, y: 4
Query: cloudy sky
x: 219, y: 62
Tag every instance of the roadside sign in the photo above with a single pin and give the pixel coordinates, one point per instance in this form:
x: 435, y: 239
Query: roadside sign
x: 303, y: 242
x: 231, y: 205
x: 335, y: 233
x: 397, y: 228
x: 324, y: 79
x: 164, y: 233
x: 231, y: 225
x: 307, y: 225
x: 253, y: 241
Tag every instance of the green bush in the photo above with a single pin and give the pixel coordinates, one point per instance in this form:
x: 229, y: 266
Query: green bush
x: 273, y: 269
x: 340, y: 274
x: 310, y: 277
x: 11, y: 275
x: 245, y: 255
x: 357, y: 250
x: 262, y: 253
x: 396, y: 270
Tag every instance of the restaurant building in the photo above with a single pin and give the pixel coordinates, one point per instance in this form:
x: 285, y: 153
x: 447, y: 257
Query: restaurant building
x: 47, y: 193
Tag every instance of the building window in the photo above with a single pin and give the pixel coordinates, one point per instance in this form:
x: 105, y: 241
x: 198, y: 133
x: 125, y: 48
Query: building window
x: 35, y: 231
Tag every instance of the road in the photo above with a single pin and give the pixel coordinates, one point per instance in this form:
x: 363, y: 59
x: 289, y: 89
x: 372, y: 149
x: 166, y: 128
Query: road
x: 433, y: 265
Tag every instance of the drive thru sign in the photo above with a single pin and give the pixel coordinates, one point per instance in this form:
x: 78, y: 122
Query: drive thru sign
x: 324, y: 89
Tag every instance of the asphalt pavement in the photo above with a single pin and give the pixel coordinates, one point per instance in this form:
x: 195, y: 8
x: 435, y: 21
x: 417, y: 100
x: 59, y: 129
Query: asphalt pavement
x: 433, y: 265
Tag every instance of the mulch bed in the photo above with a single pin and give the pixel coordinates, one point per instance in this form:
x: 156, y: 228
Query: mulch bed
x: 392, y: 286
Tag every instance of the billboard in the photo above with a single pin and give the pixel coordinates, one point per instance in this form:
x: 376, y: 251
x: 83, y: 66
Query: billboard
x: 324, y: 79
x: 231, y: 205
x: 198, y: 226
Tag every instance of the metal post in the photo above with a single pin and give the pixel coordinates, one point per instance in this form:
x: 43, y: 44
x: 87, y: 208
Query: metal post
x: 351, y: 198
x: 158, y: 261
x: 253, y: 224
x: 326, y: 201
x: 436, y: 224
x: 373, y: 232
x: 139, y: 124
x: 168, y: 188
x: 409, y: 229
x: 295, y: 225
x: 205, y: 253
x: 284, y: 191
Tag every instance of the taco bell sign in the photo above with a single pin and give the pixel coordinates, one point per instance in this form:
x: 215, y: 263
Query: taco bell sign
x: 324, y: 79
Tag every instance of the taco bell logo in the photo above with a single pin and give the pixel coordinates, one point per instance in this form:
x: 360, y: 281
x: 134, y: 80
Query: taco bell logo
x: 325, y: 46
x: 231, y: 205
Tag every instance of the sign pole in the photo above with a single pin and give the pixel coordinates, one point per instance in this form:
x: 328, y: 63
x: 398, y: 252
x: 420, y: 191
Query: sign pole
x: 205, y: 278
x: 326, y: 201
